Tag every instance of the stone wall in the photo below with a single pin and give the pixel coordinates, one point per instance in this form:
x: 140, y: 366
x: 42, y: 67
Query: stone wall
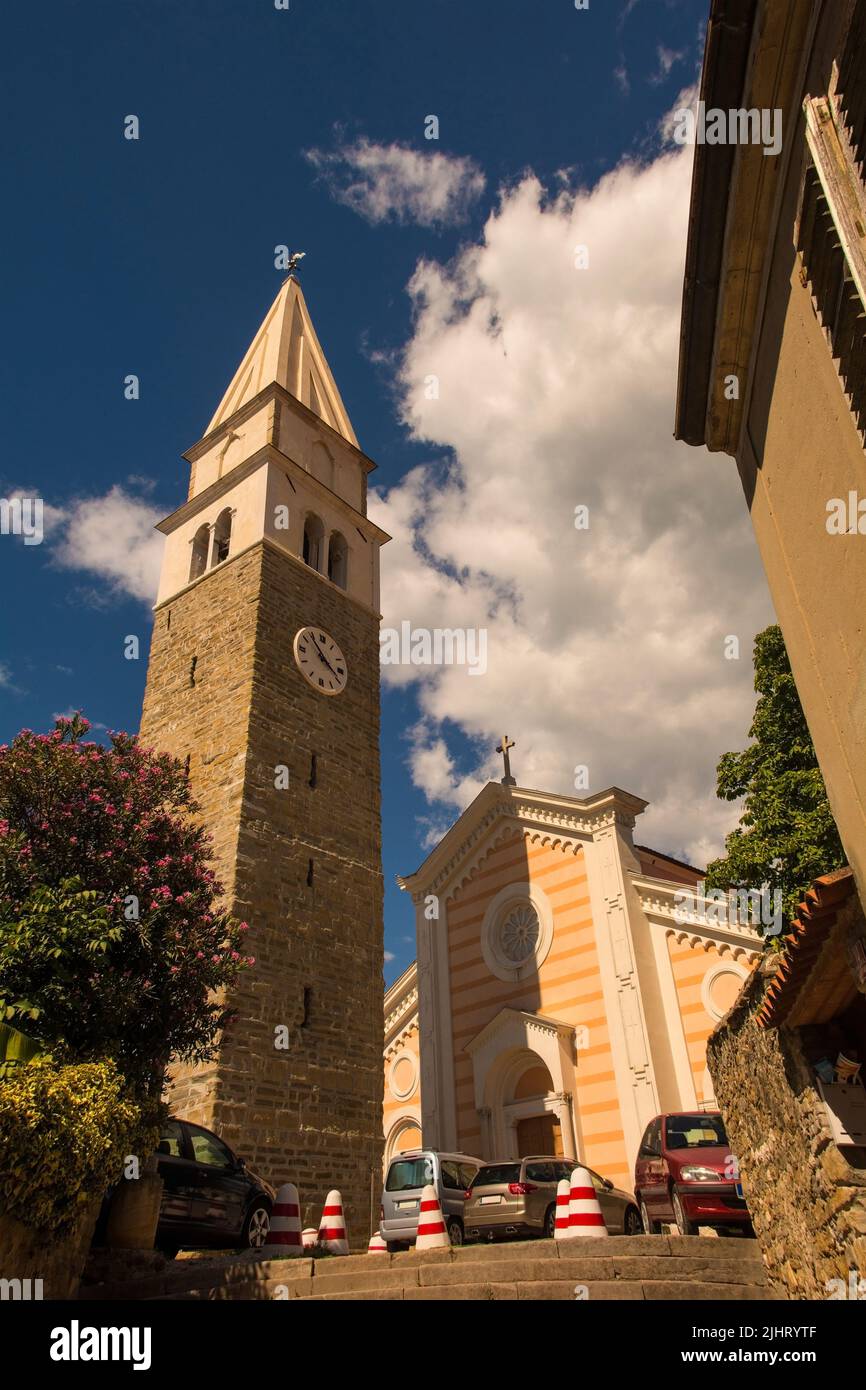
x: 808, y: 1205
x: 302, y: 865
x: 30, y: 1255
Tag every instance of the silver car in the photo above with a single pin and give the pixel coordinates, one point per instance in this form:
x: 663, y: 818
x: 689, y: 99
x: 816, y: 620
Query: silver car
x: 408, y: 1174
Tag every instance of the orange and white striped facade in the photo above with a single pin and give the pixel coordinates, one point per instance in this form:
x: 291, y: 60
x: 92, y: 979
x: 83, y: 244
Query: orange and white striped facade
x: 558, y: 1002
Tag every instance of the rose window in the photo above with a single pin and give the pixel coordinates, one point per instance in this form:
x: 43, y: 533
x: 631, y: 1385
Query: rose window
x: 519, y: 932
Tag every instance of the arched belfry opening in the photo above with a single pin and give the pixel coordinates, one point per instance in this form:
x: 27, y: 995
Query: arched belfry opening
x: 198, y: 557
x: 338, y: 560
x: 314, y: 542
x: 222, y: 535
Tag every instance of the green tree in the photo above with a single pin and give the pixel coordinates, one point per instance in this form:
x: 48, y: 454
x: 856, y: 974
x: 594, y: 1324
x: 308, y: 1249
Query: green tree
x: 787, y: 836
x: 112, y: 940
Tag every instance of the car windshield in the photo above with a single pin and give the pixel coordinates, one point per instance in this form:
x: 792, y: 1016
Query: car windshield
x: 696, y: 1132
x: 408, y: 1174
x: 496, y: 1173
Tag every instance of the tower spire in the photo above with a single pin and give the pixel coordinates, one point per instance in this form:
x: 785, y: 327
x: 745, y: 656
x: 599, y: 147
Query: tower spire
x: 287, y: 351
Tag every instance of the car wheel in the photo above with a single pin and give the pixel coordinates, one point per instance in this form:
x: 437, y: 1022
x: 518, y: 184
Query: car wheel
x: 549, y: 1223
x: 169, y: 1251
x: 651, y: 1228
x: 256, y: 1227
x: 632, y: 1222
x: 455, y: 1231
x: 684, y: 1225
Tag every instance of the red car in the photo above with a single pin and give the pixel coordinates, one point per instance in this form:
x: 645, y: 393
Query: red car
x: 685, y: 1172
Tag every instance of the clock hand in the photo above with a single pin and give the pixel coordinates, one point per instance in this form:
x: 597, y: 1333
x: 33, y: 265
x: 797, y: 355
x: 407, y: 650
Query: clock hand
x: 325, y: 659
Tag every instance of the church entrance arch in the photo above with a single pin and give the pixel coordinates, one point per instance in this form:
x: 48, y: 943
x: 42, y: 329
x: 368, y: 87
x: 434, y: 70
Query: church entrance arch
x: 524, y: 1083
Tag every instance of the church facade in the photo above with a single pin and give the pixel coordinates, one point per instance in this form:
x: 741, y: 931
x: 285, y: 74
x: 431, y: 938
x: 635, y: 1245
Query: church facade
x: 264, y: 679
x: 566, y: 983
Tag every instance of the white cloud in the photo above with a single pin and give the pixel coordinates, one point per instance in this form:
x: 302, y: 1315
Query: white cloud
x: 556, y: 389
x: 112, y: 537
x: 389, y: 956
x: 395, y: 183
x: 667, y: 59
x: 5, y: 676
x: 622, y: 80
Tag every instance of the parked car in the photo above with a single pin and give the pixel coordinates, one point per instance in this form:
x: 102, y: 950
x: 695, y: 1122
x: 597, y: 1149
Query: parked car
x: 408, y: 1174
x: 210, y: 1198
x: 684, y: 1173
x: 517, y: 1197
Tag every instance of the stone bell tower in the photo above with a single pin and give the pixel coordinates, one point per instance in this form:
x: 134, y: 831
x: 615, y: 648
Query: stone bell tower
x: 264, y: 674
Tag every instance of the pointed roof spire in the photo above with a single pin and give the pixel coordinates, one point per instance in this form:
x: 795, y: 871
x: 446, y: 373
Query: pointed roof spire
x: 286, y: 350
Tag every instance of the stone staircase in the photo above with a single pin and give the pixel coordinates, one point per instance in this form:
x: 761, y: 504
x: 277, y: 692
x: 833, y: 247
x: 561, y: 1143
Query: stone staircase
x: 632, y: 1267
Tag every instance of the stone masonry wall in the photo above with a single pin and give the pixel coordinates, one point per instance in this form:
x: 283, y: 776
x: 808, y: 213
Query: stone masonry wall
x: 807, y: 1204
x: 303, y: 865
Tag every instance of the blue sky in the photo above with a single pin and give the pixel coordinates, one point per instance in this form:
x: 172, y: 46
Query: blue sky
x: 156, y: 257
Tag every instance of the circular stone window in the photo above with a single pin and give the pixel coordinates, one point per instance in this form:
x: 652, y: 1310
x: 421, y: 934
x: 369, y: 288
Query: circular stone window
x: 517, y: 931
x: 403, y: 1075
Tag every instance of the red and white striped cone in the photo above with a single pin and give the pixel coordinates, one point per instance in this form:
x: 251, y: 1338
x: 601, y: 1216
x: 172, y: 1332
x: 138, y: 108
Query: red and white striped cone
x: 432, y: 1231
x: 562, y: 1229
x: 332, y: 1227
x: 377, y: 1245
x: 284, y: 1237
x: 584, y: 1209
x: 309, y: 1237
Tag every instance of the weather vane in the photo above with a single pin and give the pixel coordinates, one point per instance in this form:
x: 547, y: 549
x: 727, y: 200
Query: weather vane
x: 294, y: 261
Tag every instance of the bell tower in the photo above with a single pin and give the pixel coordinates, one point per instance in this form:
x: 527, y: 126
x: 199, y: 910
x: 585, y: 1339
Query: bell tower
x: 264, y: 675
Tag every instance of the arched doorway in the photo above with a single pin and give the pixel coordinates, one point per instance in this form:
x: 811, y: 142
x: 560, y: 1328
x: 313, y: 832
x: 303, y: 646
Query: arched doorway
x: 523, y: 1068
x: 541, y: 1132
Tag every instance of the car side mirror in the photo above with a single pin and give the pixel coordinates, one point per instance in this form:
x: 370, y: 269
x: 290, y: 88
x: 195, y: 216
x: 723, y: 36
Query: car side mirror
x: 608, y: 1185
x: 240, y: 1164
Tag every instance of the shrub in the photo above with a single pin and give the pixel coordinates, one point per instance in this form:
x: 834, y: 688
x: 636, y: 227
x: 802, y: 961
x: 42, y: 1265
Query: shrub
x: 64, y: 1134
x: 113, y: 942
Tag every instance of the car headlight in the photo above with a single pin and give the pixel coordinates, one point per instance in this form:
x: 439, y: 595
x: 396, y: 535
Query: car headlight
x: 700, y: 1175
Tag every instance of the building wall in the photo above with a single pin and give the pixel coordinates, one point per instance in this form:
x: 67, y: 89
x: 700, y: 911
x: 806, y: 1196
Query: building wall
x: 567, y: 988
x: 311, y: 1113
x: 402, y: 1108
x: 808, y: 1206
x: 708, y: 980
x: 802, y: 450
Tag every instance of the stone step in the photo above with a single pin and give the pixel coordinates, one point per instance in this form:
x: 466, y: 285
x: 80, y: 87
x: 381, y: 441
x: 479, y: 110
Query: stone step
x: 556, y: 1291
x: 644, y: 1261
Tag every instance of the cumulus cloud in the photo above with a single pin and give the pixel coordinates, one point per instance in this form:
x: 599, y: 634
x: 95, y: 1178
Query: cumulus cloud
x: 395, y: 183
x: 552, y: 389
x: 112, y: 537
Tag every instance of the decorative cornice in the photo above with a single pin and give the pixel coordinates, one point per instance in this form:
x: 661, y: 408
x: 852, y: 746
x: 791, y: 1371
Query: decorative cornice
x: 657, y: 899
x: 535, y: 812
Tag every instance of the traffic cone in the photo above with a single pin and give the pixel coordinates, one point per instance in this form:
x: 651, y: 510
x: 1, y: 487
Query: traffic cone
x: 432, y: 1232
x: 584, y: 1210
x: 332, y: 1227
x: 562, y: 1229
x: 309, y: 1237
x: 377, y: 1245
x: 284, y: 1237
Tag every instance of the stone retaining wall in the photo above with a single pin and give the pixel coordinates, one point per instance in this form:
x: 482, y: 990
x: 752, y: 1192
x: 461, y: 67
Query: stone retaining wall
x: 807, y: 1204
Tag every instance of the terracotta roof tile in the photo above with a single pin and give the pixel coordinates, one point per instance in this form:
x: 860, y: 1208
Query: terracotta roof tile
x: 815, y: 919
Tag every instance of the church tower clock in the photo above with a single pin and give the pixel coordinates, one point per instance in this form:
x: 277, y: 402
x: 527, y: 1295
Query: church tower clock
x: 264, y: 677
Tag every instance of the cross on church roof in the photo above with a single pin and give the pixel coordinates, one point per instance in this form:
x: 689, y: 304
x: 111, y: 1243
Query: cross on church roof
x: 503, y: 748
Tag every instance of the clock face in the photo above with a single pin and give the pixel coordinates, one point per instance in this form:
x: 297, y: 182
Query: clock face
x: 320, y: 661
